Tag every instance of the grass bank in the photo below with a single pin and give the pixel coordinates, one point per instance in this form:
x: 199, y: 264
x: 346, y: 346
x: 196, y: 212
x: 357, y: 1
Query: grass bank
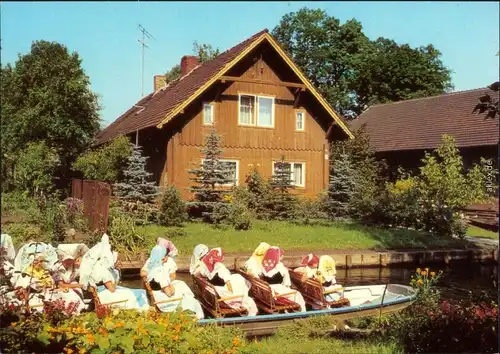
x: 308, y: 336
x: 474, y: 231
x: 322, y: 235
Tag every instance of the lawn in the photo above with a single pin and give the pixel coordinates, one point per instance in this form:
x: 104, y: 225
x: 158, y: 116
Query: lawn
x: 292, y: 237
x: 307, y: 336
x: 475, y: 231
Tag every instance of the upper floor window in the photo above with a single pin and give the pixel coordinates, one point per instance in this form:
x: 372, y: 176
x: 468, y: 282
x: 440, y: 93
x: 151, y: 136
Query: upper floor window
x: 299, y: 120
x: 208, y: 113
x: 256, y: 110
x: 297, y: 172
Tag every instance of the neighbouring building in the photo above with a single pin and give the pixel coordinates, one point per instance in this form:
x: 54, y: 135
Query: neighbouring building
x: 401, y: 132
x: 260, y: 103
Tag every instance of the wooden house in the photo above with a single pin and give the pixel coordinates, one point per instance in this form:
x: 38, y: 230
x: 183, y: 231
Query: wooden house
x: 259, y: 102
x: 401, y: 132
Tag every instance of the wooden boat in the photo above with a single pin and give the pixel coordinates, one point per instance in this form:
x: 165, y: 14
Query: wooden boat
x: 264, y: 298
x: 369, y: 300
x: 212, y: 303
x: 313, y: 292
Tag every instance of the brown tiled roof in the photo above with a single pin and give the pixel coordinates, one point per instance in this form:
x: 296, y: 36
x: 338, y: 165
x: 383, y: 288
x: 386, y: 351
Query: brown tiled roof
x: 158, y: 105
x: 420, y: 123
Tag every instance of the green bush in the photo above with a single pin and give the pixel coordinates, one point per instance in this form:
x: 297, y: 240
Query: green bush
x: 306, y: 210
x: 105, y: 163
x: 255, y: 194
x: 172, y: 208
x: 122, y: 233
x: 35, y: 167
x: 234, y: 213
x: 126, y: 331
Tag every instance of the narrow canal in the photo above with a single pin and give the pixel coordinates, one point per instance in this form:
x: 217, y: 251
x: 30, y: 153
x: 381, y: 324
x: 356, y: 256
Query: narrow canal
x: 456, y: 282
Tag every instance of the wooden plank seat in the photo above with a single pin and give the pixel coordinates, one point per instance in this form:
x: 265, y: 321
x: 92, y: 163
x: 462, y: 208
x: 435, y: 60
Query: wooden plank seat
x: 151, y: 298
x: 314, y: 294
x: 98, y: 303
x: 210, y: 300
x: 266, y: 300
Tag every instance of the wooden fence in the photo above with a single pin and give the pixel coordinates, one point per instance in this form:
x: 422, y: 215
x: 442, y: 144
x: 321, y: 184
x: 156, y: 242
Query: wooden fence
x: 95, y: 196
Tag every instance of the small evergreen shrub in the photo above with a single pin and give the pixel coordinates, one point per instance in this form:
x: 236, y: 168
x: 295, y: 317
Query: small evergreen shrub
x: 211, y: 179
x: 280, y: 203
x: 341, y: 188
x: 135, y: 186
x: 172, y: 209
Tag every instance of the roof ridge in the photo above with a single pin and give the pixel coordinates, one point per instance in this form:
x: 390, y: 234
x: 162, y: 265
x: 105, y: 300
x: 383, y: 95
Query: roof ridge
x: 201, y: 64
x: 429, y: 97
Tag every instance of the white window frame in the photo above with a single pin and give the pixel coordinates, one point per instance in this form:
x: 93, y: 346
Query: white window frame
x: 303, y: 120
x: 237, y: 181
x: 292, y: 165
x: 255, y: 116
x: 212, y: 112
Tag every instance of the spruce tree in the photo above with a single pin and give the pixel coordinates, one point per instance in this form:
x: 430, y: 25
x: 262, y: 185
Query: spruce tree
x: 341, y: 187
x: 281, y: 203
x: 135, y: 186
x: 211, y: 177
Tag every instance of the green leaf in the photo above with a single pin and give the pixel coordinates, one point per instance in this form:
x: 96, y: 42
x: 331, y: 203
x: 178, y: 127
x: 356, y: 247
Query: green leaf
x: 102, y: 342
x: 127, y: 344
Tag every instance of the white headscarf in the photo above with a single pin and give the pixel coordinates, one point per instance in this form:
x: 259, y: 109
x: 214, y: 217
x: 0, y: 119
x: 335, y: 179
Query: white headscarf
x: 100, y: 253
x: 29, y: 252
x: 6, y: 243
x: 198, y: 253
x: 71, y: 251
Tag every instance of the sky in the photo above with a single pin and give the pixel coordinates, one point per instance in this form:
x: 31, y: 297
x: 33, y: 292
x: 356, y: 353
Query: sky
x: 105, y: 35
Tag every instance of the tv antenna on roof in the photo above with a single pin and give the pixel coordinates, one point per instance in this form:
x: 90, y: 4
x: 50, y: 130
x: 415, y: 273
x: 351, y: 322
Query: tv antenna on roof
x: 145, y: 34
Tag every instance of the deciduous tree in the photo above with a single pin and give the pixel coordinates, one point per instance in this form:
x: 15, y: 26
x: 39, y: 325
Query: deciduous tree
x: 46, y: 96
x: 351, y: 70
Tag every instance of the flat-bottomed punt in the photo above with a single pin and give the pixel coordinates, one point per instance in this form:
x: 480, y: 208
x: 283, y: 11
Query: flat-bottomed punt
x: 366, y: 300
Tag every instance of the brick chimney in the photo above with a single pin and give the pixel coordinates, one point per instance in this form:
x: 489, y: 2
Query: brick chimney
x: 188, y: 63
x: 159, y: 82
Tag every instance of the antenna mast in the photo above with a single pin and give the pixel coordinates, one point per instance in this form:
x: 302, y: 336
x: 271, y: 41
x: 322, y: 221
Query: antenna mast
x: 142, y: 41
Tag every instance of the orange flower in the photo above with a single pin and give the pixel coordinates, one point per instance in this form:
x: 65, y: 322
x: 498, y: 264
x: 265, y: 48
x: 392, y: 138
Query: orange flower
x: 175, y: 338
x: 177, y: 328
x: 161, y: 350
x: 82, y: 351
x: 433, y: 274
x: 13, y: 324
x: 423, y: 273
x: 134, y: 337
x: 68, y: 350
x: 119, y: 324
x: 420, y: 282
x: 236, y: 341
x: 90, y: 338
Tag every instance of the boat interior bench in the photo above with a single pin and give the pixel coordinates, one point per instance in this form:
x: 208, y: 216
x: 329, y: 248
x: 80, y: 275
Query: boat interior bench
x: 151, y: 297
x: 266, y: 300
x: 314, y: 293
x: 212, y: 302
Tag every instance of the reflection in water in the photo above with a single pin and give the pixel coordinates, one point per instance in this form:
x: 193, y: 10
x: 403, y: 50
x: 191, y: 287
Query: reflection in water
x: 456, y: 282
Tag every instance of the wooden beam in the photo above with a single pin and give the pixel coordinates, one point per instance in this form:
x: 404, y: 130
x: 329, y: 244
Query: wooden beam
x: 297, y: 97
x: 257, y: 81
x: 217, y: 95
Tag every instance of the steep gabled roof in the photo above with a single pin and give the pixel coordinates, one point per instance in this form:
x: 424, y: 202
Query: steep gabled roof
x: 158, y: 108
x: 420, y: 123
